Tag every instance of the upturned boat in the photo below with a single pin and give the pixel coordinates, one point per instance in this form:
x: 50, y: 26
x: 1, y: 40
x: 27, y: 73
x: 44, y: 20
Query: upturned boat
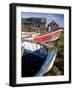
x: 37, y: 59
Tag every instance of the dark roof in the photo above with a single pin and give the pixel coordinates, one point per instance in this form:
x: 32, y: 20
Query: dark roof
x: 34, y: 20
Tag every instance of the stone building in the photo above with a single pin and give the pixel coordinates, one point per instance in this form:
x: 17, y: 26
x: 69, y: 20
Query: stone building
x: 34, y: 25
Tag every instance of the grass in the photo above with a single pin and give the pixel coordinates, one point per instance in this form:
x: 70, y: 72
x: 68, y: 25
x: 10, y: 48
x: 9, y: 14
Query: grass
x: 58, y: 67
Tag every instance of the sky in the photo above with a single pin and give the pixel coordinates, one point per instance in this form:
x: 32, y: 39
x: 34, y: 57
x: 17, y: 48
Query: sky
x: 59, y: 18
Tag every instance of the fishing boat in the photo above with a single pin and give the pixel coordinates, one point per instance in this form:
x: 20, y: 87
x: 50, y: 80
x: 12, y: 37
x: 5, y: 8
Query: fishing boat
x: 52, y: 36
x: 37, y: 59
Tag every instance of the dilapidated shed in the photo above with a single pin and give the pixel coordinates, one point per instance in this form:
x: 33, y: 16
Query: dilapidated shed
x: 34, y: 25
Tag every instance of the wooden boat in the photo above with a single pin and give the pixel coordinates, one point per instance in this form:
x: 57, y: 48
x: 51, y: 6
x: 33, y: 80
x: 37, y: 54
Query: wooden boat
x: 37, y: 59
x: 52, y: 36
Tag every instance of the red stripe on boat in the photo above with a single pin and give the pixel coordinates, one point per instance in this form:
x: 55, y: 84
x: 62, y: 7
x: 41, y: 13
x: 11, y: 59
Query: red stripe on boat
x: 47, y: 36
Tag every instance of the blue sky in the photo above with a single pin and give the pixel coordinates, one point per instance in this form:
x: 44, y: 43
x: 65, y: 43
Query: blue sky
x: 59, y: 18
